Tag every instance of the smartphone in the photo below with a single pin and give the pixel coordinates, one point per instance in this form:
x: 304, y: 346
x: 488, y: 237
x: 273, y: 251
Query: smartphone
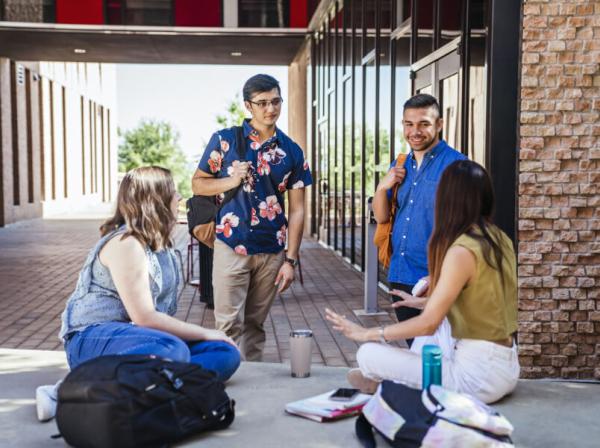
x: 420, y: 287
x: 344, y: 394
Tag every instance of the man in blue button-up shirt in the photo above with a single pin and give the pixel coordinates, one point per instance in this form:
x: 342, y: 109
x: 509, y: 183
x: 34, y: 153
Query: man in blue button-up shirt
x: 422, y: 170
x: 249, y: 266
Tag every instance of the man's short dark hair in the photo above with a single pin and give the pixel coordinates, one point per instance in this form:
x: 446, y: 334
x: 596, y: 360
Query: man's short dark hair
x: 423, y: 101
x: 259, y: 84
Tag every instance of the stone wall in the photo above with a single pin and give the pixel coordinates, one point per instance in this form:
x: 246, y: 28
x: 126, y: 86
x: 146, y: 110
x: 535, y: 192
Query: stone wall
x: 23, y: 11
x: 559, y: 204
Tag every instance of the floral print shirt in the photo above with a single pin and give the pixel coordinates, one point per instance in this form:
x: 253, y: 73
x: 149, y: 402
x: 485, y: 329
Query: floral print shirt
x: 254, y: 220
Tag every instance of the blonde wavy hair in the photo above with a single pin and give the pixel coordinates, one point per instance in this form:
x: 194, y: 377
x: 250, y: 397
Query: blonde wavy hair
x: 144, y: 207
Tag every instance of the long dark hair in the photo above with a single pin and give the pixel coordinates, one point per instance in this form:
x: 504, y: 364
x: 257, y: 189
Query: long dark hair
x: 464, y: 204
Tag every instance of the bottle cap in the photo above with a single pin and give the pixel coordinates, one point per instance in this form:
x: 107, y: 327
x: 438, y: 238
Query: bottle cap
x: 432, y: 352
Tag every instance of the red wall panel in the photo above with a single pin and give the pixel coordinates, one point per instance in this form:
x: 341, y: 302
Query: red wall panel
x: 198, y: 13
x: 85, y: 12
x: 298, y: 14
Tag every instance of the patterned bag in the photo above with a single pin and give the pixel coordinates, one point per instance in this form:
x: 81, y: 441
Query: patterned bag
x: 383, y: 233
x: 431, y: 418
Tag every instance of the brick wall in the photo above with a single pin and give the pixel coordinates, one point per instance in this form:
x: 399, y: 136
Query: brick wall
x: 559, y: 203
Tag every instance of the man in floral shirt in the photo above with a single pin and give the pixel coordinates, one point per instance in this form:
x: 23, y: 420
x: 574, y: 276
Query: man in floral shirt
x: 252, y: 230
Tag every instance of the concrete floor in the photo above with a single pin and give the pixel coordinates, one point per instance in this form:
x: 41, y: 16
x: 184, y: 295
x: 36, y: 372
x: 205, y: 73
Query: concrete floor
x: 544, y: 414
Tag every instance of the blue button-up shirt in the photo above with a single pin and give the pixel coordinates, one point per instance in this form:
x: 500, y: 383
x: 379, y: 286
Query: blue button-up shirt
x: 253, y: 221
x: 414, y: 218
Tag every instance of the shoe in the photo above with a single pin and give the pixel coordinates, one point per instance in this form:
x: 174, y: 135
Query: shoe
x: 361, y: 382
x: 45, y: 401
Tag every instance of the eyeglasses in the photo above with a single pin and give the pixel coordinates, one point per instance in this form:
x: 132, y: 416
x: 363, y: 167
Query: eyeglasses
x: 264, y: 104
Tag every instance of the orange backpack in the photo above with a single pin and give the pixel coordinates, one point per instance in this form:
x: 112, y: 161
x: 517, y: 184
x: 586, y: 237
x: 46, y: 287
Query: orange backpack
x: 383, y: 233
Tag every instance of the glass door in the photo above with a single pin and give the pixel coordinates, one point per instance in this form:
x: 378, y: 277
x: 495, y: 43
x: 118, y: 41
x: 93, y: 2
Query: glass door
x: 442, y: 79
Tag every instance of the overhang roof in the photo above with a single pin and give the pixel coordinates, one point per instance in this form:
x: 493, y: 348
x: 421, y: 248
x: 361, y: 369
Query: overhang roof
x: 141, y: 44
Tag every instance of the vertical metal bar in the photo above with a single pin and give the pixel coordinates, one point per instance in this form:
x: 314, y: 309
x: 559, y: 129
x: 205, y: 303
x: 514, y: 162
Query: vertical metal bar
x: 81, y: 107
x: 108, y: 162
x: 363, y: 155
x: 377, y: 89
x: 414, y: 35
x: 393, y: 44
x: 335, y: 127
x: 52, y: 143
x: 502, y: 110
x: 352, y: 139
x: 325, y: 144
x: 41, y: 137
x: 436, y: 23
x: 465, y: 63
x: 15, y: 133
x: 313, y: 131
x: 91, y: 137
x: 64, y: 133
x: 28, y: 118
x: 343, y: 93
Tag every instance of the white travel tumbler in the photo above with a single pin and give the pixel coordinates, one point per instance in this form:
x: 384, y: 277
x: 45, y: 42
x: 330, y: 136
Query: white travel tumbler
x: 301, y: 349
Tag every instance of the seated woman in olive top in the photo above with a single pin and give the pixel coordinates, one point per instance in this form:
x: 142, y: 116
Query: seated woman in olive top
x: 472, y: 267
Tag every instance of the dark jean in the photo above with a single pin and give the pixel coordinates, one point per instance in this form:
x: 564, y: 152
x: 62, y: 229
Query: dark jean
x: 404, y: 313
x: 120, y: 338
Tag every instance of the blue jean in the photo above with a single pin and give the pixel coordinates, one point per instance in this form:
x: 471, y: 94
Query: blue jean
x: 120, y: 338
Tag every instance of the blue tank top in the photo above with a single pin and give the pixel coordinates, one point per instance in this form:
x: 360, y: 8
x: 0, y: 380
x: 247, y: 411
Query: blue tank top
x: 96, y: 299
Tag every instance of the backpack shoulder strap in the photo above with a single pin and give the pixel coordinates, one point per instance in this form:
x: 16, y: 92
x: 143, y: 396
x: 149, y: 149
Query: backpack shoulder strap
x: 240, y: 142
x: 395, y: 191
x: 240, y: 147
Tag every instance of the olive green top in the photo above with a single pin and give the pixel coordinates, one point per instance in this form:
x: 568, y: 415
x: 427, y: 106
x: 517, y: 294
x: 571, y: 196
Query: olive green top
x: 485, y: 309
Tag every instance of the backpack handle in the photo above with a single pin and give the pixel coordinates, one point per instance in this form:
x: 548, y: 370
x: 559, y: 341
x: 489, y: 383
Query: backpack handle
x: 364, y: 432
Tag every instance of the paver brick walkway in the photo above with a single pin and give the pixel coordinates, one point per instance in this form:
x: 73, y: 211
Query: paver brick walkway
x: 40, y: 260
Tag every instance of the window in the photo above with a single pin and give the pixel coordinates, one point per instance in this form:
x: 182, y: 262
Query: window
x: 263, y: 13
x: 49, y: 11
x: 115, y: 12
x: 425, y: 14
x: 403, y: 11
x: 449, y: 20
x: 148, y: 12
x: 477, y: 99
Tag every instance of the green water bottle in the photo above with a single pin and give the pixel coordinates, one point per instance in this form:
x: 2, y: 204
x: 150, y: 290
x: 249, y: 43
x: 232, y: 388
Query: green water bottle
x: 432, y: 365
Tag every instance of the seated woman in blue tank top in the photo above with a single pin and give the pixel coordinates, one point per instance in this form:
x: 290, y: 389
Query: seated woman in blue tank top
x: 126, y: 295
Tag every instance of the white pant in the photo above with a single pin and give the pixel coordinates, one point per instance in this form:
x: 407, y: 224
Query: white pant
x: 484, y: 369
x: 442, y: 338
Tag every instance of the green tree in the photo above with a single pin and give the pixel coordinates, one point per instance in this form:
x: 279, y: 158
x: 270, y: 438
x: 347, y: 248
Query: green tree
x: 234, y: 115
x: 155, y: 142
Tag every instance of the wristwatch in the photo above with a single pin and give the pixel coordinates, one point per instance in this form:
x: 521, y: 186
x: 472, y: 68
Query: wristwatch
x: 291, y: 261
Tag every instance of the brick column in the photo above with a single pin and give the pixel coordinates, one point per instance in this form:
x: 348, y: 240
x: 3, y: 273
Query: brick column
x: 559, y: 205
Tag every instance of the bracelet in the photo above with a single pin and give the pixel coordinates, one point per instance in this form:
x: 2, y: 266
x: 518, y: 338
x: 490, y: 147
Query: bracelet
x: 382, y: 335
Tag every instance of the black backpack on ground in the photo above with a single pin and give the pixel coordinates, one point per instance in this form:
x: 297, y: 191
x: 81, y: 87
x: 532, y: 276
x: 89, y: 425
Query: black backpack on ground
x: 124, y: 401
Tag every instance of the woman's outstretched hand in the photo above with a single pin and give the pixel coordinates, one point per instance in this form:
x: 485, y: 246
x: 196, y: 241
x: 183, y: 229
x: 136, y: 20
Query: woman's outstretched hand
x: 408, y: 300
x: 218, y: 335
x: 347, y: 328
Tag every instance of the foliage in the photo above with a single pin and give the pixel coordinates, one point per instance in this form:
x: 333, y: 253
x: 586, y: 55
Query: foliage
x: 353, y: 162
x: 233, y: 116
x: 155, y: 142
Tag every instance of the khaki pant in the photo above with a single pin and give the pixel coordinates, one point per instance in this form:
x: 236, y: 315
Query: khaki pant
x: 244, y: 289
